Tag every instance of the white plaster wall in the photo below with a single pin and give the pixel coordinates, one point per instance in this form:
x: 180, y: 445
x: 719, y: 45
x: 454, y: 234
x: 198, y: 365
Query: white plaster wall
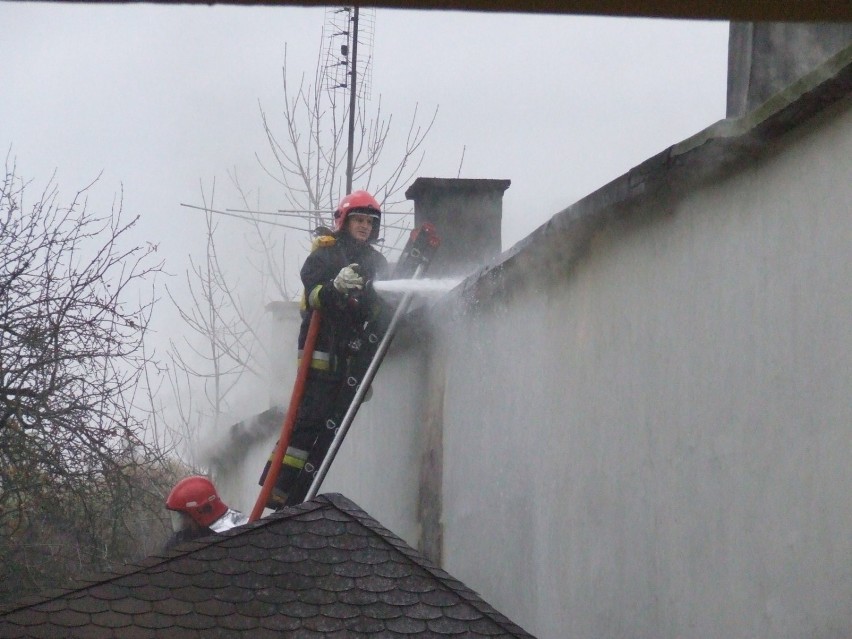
x: 377, y: 466
x: 660, y: 444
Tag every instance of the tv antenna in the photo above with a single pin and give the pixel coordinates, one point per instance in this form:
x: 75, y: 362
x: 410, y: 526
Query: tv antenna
x: 350, y: 32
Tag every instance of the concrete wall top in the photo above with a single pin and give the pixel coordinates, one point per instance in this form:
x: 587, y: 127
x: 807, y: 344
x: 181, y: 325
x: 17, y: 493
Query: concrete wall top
x: 424, y: 186
x: 765, y: 57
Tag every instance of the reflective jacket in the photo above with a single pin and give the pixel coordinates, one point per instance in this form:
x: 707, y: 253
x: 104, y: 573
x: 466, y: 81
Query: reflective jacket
x: 341, y: 321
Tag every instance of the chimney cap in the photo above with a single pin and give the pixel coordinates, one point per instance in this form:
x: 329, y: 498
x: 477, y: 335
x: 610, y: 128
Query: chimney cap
x: 423, y: 185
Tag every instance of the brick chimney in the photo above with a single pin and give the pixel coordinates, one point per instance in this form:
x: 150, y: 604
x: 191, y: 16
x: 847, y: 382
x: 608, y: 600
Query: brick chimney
x: 467, y: 214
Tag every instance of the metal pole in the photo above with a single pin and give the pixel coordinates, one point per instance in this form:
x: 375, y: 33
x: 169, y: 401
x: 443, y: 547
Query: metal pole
x: 362, y: 390
x: 353, y: 86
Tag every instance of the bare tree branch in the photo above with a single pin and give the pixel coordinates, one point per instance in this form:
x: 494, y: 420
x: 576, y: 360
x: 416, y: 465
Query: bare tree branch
x: 307, y: 162
x: 76, y: 464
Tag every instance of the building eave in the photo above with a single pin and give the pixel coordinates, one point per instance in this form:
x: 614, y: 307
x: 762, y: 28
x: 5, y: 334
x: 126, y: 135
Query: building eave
x: 744, y: 10
x: 707, y: 155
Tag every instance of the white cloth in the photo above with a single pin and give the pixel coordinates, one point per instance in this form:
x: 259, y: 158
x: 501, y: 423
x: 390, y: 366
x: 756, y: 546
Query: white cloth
x: 231, y: 519
x: 348, y: 279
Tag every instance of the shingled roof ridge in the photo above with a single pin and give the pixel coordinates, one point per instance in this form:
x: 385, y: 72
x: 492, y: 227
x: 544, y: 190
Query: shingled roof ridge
x: 33, y: 600
x: 334, y: 501
x: 88, y: 581
x: 469, y: 596
x: 97, y: 579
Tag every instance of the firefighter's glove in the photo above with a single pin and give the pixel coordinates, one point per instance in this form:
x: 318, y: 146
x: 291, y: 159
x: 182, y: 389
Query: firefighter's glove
x: 348, y: 280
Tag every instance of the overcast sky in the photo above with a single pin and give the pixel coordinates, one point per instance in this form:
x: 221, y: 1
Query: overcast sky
x: 160, y: 98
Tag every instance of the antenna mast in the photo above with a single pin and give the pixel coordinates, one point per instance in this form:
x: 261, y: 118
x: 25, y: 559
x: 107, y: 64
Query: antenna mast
x: 353, y: 86
x: 355, y: 27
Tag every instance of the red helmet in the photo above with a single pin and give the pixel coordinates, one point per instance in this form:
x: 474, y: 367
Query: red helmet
x: 358, y: 202
x: 197, y: 497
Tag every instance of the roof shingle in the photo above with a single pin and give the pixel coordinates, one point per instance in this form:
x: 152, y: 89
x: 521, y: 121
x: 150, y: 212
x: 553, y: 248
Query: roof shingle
x: 322, y: 569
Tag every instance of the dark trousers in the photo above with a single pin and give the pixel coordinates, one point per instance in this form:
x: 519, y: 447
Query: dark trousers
x: 314, y: 409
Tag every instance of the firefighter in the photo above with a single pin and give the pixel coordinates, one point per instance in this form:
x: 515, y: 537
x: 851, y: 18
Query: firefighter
x: 198, y: 511
x: 335, y: 277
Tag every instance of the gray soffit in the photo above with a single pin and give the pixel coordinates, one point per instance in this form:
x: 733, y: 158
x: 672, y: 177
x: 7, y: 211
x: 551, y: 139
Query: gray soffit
x: 788, y: 10
x: 710, y: 154
x: 322, y: 569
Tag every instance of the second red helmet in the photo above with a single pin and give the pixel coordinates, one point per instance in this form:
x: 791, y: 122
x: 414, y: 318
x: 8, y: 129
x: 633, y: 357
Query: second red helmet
x: 197, y: 497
